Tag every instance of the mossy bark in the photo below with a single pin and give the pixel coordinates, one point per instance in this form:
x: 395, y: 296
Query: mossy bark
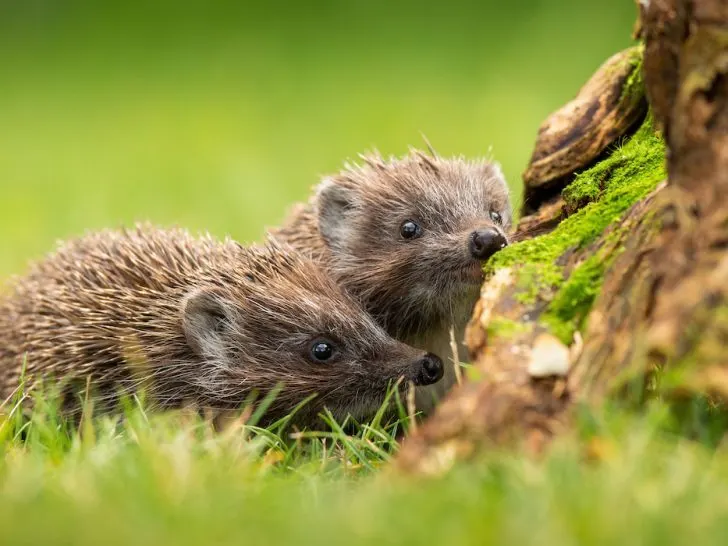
x: 620, y: 282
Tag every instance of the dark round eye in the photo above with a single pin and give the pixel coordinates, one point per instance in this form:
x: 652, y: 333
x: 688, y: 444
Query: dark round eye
x: 322, y: 351
x: 410, y: 230
x: 496, y: 217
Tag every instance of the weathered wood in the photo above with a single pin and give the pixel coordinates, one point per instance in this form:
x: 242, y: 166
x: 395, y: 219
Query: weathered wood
x: 665, y: 308
x: 605, y: 109
x: 663, y: 300
x: 689, y: 284
x: 508, y: 404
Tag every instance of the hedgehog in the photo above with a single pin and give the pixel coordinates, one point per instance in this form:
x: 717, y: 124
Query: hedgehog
x: 408, y: 238
x: 191, y: 320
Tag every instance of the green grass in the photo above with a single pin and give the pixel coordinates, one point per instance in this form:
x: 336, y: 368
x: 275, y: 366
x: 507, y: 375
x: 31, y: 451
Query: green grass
x: 169, y: 479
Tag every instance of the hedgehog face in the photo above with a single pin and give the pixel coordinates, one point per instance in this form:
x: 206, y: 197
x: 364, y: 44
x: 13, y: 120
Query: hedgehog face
x: 293, y: 327
x: 409, y: 237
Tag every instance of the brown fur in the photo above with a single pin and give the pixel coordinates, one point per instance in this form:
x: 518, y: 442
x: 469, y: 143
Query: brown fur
x: 417, y: 289
x: 196, y: 320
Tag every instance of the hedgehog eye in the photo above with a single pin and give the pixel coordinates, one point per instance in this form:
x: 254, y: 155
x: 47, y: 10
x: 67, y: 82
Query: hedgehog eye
x: 322, y: 350
x: 496, y: 217
x: 410, y: 230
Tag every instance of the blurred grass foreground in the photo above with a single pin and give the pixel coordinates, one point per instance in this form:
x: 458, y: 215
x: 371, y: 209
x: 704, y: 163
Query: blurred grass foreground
x: 218, y: 116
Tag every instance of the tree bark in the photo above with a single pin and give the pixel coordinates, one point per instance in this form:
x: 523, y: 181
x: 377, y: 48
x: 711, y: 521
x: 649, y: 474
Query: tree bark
x: 661, y: 268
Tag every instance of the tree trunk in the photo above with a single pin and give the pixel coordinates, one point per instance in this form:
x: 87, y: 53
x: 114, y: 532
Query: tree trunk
x: 620, y: 280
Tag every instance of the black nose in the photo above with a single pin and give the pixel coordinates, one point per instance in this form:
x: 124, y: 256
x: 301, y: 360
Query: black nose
x: 485, y: 242
x: 430, y: 370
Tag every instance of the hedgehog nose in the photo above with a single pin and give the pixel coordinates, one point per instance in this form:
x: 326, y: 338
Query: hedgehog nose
x: 430, y: 371
x: 485, y: 242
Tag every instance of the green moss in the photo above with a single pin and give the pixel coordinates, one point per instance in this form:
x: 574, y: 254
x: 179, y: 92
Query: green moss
x: 589, y: 185
x: 634, y: 86
x: 504, y: 328
x: 609, y: 189
x: 534, y: 279
x: 643, y: 154
x: 572, y: 302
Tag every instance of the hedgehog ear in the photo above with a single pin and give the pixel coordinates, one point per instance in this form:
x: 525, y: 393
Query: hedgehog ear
x: 494, y: 172
x: 335, y: 203
x: 204, y: 316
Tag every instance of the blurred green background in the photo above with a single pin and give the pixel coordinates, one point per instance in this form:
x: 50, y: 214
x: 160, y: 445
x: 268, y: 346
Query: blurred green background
x: 220, y: 115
